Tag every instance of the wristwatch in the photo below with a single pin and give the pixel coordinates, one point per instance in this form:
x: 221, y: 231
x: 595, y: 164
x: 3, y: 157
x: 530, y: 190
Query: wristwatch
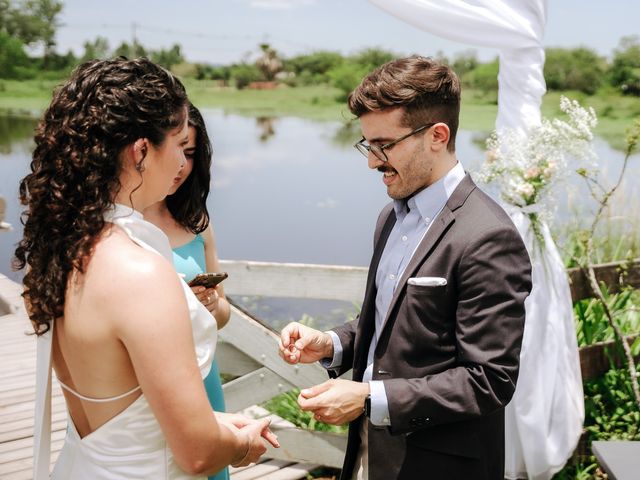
x: 367, y: 406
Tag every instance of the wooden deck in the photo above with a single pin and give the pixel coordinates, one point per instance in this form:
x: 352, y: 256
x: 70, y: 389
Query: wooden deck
x: 17, y: 397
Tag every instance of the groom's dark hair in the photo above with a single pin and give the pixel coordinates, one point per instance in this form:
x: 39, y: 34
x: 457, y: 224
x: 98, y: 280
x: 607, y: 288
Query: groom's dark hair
x: 428, y: 90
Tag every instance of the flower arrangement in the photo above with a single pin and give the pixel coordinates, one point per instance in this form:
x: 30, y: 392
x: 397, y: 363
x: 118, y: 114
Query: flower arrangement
x: 526, y: 166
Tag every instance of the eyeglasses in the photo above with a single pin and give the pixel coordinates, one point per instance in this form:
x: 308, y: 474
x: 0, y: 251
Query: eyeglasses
x: 378, y: 150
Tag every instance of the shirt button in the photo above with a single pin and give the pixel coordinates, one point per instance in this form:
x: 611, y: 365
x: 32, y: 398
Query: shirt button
x: 385, y: 420
x: 392, y: 277
x: 404, y: 238
x: 427, y: 220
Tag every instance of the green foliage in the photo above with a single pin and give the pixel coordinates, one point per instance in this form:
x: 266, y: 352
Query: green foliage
x: 286, y: 406
x: 464, y: 62
x: 12, y: 57
x: 579, y: 69
x: 244, y: 73
x: 169, y: 57
x: 96, y: 50
x: 591, y: 322
x: 133, y: 50
x: 372, y: 58
x: 625, y: 68
x: 313, y: 68
x: 610, y: 408
x: 31, y: 21
x: 484, y: 77
x: 346, y: 77
x: 209, y: 72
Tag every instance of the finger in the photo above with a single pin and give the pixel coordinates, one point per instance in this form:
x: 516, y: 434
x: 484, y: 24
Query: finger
x: 316, y: 389
x: 309, y: 404
x: 310, y: 336
x: 287, y: 332
x: 271, y: 437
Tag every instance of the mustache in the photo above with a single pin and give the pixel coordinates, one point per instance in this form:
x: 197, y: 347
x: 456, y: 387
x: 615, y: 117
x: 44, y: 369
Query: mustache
x: 385, y: 168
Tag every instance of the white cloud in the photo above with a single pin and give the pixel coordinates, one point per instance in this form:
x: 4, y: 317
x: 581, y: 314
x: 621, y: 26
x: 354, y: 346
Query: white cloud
x: 280, y: 4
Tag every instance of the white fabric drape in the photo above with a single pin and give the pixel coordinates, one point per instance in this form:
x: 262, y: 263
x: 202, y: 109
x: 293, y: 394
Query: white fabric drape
x: 544, y: 419
x: 513, y: 27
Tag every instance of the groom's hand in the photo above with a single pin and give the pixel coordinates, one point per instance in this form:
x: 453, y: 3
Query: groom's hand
x: 335, y: 401
x: 301, y: 344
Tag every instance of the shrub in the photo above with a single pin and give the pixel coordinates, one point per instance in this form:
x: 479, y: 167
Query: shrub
x: 578, y: 69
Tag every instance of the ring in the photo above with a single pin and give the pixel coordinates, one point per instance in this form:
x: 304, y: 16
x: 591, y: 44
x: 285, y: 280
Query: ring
x: 208, y: 298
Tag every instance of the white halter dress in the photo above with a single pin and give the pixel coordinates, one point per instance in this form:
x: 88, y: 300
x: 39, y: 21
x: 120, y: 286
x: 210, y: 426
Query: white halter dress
x: 131, y: 445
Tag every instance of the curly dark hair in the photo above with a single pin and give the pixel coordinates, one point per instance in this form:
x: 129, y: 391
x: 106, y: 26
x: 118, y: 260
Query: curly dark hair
x: 105, y: 106
x: 428, y: 90
x: 188, y: 204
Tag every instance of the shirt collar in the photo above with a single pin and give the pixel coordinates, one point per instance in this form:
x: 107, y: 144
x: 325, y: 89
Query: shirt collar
x: 431, y: 200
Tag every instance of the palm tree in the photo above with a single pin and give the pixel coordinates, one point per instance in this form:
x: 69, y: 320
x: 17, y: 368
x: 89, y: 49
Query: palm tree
x: 269, y: 63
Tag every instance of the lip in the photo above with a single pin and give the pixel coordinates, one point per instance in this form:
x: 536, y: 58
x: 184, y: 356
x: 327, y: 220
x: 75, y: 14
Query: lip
x: 389, y: 180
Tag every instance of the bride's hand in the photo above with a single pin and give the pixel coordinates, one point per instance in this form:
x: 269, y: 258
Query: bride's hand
x: 241, y: 421
x: 253, y: 434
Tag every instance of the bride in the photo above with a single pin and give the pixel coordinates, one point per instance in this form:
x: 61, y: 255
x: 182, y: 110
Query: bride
x: 129, y: 341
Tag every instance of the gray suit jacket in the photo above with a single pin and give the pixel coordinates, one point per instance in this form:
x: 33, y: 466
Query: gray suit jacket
x: 448, y: 355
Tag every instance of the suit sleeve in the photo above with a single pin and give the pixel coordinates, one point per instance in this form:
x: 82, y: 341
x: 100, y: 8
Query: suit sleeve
x: 347, y: 334
x: 494, y: 279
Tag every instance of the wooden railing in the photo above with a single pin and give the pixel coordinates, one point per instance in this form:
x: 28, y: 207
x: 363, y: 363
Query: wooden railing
x: 248, y: 349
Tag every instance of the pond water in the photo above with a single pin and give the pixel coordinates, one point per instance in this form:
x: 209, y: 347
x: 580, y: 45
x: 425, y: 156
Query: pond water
x: 290, y: 189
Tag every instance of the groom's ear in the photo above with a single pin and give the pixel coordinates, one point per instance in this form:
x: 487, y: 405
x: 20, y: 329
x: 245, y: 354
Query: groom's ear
x: 439, y: 136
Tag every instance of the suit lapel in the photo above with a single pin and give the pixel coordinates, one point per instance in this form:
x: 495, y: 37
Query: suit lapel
x: 440, y: 225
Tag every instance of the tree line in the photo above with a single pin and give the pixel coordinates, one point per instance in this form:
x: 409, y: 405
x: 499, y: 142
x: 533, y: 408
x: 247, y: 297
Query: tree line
x: 30, y: 24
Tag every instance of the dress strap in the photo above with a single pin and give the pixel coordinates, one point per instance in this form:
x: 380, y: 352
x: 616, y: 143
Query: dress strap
x: 42, y: 417
x: 98, y: 400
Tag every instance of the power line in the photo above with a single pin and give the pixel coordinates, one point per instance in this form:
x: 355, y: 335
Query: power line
x: 136, y: 27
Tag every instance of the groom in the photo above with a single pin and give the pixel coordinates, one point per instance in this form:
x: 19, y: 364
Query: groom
x: 435, y: 350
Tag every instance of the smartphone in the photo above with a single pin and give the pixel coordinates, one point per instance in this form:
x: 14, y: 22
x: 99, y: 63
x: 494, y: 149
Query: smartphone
x: 208, y: 280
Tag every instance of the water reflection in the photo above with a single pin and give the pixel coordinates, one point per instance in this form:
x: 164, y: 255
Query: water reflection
x: 294, y: 190
x: 347, y: 134
x: 266, y: 127
x: 14, y: 129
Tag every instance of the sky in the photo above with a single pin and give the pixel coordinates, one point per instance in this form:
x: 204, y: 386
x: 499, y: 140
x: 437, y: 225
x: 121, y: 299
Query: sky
x: 226, y: 31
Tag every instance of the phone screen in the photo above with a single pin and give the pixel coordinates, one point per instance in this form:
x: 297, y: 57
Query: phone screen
x: 208, y: 280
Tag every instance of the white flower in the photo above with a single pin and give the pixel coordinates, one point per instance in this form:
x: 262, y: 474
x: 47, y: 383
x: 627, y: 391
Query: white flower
x: 516, y: 160
x: 526, y: 190
x: 532, y: 172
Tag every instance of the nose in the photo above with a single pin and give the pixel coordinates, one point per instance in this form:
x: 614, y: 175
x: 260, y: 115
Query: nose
x: 373, y: 161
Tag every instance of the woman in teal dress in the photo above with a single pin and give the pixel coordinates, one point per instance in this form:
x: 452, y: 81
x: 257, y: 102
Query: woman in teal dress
x: 183, y: 216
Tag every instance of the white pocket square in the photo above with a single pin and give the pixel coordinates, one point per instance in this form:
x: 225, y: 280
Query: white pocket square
x: 427, y: 281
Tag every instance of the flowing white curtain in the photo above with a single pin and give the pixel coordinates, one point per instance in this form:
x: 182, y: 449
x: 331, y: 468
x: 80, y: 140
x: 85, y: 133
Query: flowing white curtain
x: 544, y: 419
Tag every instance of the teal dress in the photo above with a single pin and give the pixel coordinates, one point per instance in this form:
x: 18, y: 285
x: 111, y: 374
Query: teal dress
x: 189, y: 260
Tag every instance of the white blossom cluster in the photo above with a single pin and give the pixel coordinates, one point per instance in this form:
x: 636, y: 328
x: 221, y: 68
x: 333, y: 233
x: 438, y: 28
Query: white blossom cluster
x: 525, y: 166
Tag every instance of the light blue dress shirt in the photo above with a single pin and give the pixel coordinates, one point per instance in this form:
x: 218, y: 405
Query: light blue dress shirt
x: 414, y: 216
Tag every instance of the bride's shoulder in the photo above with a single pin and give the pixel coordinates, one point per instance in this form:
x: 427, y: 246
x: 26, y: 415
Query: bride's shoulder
x: 118, y: 265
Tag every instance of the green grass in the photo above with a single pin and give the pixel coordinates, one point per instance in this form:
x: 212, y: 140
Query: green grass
x: 319, y: 102
x: 29, y: 97
x: 314, y: 102
x: 615, y: 112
